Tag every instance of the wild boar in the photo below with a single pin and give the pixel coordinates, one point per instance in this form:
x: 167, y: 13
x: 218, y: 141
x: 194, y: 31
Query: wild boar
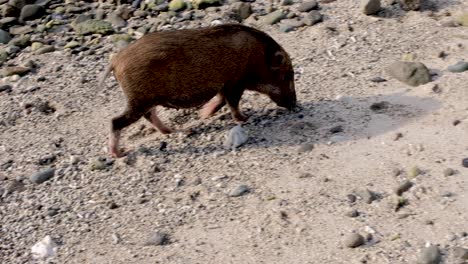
x: 186, y: 68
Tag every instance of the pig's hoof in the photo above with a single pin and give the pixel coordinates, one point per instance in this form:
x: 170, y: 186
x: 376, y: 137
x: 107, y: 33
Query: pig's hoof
x: 118, y: 153
x: 240, y: 118
x: 166, y: 130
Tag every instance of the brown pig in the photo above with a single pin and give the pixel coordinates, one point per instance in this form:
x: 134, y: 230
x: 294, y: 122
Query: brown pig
x: 186, y: 68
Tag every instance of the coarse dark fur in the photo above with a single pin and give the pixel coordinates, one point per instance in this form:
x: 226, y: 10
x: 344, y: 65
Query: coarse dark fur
x: 186, y: 68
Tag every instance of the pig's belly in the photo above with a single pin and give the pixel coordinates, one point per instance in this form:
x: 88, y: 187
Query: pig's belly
x: 190, y: 100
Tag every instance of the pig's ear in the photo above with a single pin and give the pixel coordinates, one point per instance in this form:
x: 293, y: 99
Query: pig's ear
x: 277, y: 60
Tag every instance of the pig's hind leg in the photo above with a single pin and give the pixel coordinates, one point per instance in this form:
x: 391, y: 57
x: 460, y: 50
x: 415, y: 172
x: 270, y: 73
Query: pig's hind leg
x: 152, y: 117
x: 128, y: 117
x: 213, y: 106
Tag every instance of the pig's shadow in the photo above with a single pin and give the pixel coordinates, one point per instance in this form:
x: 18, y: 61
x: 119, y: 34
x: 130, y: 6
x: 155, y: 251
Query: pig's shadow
x: 319, y: 122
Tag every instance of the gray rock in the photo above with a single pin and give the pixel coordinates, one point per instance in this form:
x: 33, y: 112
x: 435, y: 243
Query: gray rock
x: 465, y: 162
x: 241, y: 10
x: 366, y: 195
x: 4, y: 37
x: 307, y: 6
x: 3, y: 55
x: 29, y: 12
x: 273, y: 18
x: 430, y: 255
x: 15, y: 70
x: 177, y: 5
x: 460, y: 66
x: 116, y: 20
x: 44, y: 49
x: 410, y: 5
x: 93, y: 26
x: 312, y: 18
x: 449, y: 172
x: 354, y: 240
x: 20, y: 30
x: 20, y: 41
x: 306, y: 147
x: 239, y: 191
x: 286, y: 28
x: 202, y: 4
x: 403, y: 187
x: 156, y: 239
x: 370, y: 7
x: 460, y: 253
x: 6, y: 88
x: 352, y: 213
x: 42, y: 176
x: 411, y: 73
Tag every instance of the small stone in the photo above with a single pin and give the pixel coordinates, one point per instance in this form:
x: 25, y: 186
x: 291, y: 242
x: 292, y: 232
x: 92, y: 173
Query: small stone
x: 307, y: 6
x: 411, y: 73
x: 6, y: 88
x: 116, y: 20
x: 44, y: 249
x: 20, y: 41
x: 351, y: 198
x: 305, y: 147
x: 113, y: 205
x: 410, y: 5
x: 72, y: 44
x: 460, y: 253
x: 3, y: 55
x: 156, y: 239
x: 242, y: 10
x: 29, y: 12
x: 312, y: 18
x: 403, y: 187
x: 115, y: 238
x: 273, y: 17
x: 177, y: 5
x: 239, y: 191
x: 42, y: 176
x: 354, y: 240
x: 460, y: 66
x: 366, y: 195
x: 16, y: 70
x: 378, y: 79
x: 93, y: 26
x: 235, y: 138
x: 370, y: 7
x: 352, y: 213
x: 97, y: 164
x: 449, y: 172
x: 428, y: 222
x: 413, y: 172
x: 45, y: 49
x: 436, y: 89
x: 4, y: 37
x: 430, y: 255
x: 465, y: 162
x: 52, y: 211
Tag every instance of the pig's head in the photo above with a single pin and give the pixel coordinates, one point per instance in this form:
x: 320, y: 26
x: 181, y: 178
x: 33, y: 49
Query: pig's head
x: 279, y: 85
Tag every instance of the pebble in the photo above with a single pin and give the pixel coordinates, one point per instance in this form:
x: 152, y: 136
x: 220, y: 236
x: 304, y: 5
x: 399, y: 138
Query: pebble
x: 156, y: 239
x: 378, y: 79
x: 44, y: 249
x: 354, y: 240
x: 45, y: 49
x: 413, y: 172
x: 15, y: 70
x: 465, y: 162
x: 430, y: 255
x: 403, y: 187
x: 449, y: 172
x: 460, y: 66
x: 236, y: 137
x: 239, y: 191
x: 306, y: 147
x: 352, y: 213
x: 370, y: 7
x: 366, y: 195
x: 411, y: 73
x: 4, y: 37
x: 6, y: 88
x: 312, y: 18
x: 307, y: 6
x: 273, y: 17
x: 460, y: 253
x: 351, y: 198
x: 29, y: 12
x: 42, y: 176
